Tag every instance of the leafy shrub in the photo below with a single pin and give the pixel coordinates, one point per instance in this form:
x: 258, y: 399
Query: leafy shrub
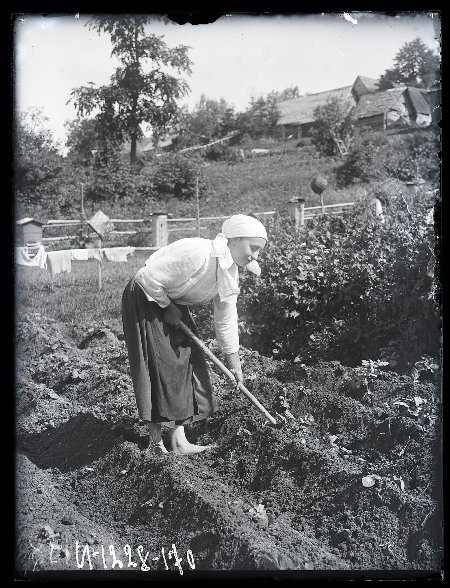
x: 176, y: 174
x: 375, y: 156
x: 365, y: 161
x: 218, y: 152
x: 342, y: 289
x: 415, y: 155
x: 119, y: 181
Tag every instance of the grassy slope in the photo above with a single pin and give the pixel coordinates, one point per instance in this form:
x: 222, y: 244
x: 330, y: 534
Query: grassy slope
x: 258, y: 184
x: 255, y: 185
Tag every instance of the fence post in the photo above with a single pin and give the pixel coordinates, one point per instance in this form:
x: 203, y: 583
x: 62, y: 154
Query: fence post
x: 297, y: 209
x: 160, y: 234
x: 99, y: 266
x: 198, y: 207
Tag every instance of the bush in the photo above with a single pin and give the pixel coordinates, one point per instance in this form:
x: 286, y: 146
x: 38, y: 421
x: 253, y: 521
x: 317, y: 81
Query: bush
x: 119, y: 181
x: 343, y: 289
x: 218, y: 152
x: 415, y: 154
x: 375, y: 156
x: 365, y: 161
x: 176, y: 175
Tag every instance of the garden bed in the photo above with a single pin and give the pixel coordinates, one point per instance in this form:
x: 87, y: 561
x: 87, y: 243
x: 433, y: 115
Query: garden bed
x: 350, y: 478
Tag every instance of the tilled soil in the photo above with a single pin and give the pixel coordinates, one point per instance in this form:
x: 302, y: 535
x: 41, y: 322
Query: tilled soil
x: 350, y: 478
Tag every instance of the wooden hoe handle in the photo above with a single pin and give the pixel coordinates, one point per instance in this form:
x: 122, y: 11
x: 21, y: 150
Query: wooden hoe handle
x: 226, y: 371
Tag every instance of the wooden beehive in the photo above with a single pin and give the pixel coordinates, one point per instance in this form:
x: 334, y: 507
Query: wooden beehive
x: 28, y: 230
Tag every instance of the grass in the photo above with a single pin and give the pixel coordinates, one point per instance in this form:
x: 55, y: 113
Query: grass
x: 260, y: 184
x: 255, y: 185
x: 75, y: 298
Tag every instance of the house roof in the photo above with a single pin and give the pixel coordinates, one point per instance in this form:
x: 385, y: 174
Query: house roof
x: 369, y: 83
x: 377, y: 103
x: 418, y: 101
x: 28, y: 219
x: 301, y: 110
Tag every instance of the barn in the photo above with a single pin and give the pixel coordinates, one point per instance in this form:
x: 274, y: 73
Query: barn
x: 297, y: 114
x: 381, y: 110
x: 396, y: 108
x: 363, y: 85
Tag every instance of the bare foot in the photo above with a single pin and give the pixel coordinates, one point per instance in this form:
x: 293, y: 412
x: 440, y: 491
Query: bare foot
x: 188, y: 448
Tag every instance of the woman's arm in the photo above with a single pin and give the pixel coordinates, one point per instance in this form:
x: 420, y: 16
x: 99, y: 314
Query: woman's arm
x: 227, y: 335
x: 233, y: 362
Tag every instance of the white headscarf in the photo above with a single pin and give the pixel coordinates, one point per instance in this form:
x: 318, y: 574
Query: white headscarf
x: 239, y: 225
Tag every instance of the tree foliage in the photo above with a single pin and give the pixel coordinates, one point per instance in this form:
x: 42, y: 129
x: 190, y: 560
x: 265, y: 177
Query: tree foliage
x: 414, y: 65
x: 333, y: 121
x: 42, y: 180
x: 209, y: 120
x: 144, y: 88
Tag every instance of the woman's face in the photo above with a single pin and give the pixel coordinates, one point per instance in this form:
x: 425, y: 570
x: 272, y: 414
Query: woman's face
x: 245, y: 249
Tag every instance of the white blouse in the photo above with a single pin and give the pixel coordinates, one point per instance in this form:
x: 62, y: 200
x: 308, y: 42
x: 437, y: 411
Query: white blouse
x: 185, y: 272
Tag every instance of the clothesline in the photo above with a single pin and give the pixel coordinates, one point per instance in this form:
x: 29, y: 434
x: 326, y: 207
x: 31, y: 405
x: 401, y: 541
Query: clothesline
x: 57, y: 262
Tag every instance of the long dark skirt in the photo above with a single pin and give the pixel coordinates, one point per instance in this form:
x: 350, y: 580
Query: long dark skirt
x: 169, y: 373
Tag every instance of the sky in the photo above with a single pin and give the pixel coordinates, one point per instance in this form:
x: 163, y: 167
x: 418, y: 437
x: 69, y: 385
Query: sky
x: 235, y: 58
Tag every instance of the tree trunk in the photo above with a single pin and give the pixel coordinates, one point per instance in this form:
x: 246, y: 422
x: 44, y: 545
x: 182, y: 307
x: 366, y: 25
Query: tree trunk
x: 133, y: 150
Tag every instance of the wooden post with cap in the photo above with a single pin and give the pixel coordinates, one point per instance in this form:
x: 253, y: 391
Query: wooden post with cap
x: 297, y: 209
x: 160, y: 233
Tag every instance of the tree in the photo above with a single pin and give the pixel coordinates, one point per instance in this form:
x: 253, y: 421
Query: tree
x: 143, y: 89
x: 36, y: 157
x: 81, y: 140
x: 333, y: 123
x: 414, y: 65
x: 43, y: 182
x: 210, y: 119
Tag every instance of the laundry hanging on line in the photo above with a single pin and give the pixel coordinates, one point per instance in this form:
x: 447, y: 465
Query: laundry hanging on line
x: 59, y: 261
x: 85, y: 254
x: 117, y: 253
x: 23, y: 257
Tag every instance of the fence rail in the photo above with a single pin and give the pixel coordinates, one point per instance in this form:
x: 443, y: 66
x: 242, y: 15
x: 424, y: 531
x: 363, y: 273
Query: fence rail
x: 160, y: 226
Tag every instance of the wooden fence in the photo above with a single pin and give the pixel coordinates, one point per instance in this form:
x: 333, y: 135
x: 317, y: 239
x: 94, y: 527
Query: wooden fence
x: 159, y: 227
x: 302, y: 213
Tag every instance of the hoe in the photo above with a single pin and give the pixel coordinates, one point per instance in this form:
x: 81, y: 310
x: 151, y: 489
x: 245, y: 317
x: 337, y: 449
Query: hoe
x: 226, y: 371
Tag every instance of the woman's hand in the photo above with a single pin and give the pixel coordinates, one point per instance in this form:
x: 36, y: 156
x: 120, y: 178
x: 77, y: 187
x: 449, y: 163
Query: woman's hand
x: 233, y: 362
x: 172, y: 315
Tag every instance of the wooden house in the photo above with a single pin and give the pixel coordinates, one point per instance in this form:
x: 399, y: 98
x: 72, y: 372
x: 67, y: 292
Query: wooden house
x: 363, y: 85
x: 396, y: 108
x: 297, y: 114
x: 28, y: 230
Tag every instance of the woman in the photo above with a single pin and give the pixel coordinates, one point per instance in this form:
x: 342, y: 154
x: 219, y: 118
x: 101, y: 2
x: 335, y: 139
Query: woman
x: 170, y: 375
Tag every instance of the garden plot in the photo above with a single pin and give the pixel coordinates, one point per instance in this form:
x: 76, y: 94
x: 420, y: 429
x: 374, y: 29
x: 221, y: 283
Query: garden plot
x: 348, y: 480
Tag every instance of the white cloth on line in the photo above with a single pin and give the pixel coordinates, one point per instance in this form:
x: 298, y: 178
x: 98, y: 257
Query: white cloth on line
x: 85, y: 254
x: 39, y: 259
x: 95, y: 254
x: 117, y: 253
x: 80, y: 254
x: 59, y: 261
